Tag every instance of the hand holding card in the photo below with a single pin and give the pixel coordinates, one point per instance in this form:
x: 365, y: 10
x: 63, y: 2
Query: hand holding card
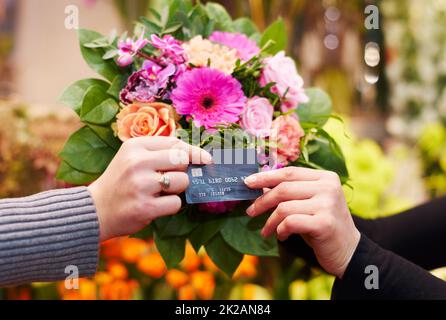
x: 224, y: 179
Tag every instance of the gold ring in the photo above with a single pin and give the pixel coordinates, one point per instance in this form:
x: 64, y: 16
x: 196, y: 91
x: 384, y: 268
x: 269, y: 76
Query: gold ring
x: 164, y: 181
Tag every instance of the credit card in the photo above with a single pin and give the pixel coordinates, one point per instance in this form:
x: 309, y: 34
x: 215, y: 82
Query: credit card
x: 224, y: 179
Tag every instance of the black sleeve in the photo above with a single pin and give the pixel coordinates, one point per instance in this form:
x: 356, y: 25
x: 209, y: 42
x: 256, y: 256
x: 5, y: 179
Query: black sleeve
x: 417, y: 235
x: 395, y: 278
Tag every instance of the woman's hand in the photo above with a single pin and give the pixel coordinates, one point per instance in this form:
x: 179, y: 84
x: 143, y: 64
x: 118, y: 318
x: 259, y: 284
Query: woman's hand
x: 310, y: 203
x: 129, y: 195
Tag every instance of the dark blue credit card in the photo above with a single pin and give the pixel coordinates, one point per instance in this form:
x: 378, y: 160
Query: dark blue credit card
x: 224, y: 179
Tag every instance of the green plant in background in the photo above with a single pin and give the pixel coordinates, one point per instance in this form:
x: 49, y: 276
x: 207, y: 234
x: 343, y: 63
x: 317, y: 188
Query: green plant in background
x: 432, y: 146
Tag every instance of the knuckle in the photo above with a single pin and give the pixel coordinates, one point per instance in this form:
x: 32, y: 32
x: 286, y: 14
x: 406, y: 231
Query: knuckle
x: 332, y: 176
x: 281, y: 210
x: 327, y: 224
x: 287, y: 225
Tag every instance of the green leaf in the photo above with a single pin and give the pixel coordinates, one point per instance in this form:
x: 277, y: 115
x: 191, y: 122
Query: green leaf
x: 179, y: 225
x: 328, y: 156
x: 94, y: 56
x: 218, y: 14
x: 86, y: 152
x: 110, y: 54
x: 144, y: 234
x: 278, y: 34
x: 106, y: 134
x: 98, y: 107
x: 117, y: 85
x: 103, y: 113
x: 206, y: 230
x: 172, y: 250
x: 223, y: 255
x: 246, y: 26
x: 74, y: 95
x: 70, y: 175
x: 173, y: 28
x: 318, y: 110
x: 246, y: 239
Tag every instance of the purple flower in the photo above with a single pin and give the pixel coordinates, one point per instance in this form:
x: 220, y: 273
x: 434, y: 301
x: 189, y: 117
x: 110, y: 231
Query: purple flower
x: 129, y: 48
x: 246, y: 48
x: 148, y: 84
x: 170, y: 47
x: 218, y: 207
x: 210, y: 96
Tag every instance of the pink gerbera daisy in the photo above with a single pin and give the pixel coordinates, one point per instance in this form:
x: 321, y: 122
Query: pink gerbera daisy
x: 246, y: 48
x: 209, y: 96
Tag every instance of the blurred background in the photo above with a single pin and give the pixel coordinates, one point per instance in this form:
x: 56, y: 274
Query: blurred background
x: 388, y: 84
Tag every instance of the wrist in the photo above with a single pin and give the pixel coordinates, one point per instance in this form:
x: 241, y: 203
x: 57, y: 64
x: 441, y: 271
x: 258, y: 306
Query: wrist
x: 100, y: 211
x: 349, y: 253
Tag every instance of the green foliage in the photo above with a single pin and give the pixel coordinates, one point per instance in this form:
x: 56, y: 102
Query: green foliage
x: 98, y: 107
x: 251, y: 242
x: 93, y: 54
x: 171, y: 249
x: 70, y: 175
x: 74, y: 95
x: 319, y: 149
x: 245, y: 26
x: 277, y: 35
x: 219, y: 234
x: 86, y: 152
x: 317, y: 111
x: 223, y: 255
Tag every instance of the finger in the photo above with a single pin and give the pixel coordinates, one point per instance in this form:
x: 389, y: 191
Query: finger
x: 169, y: 160
x: 295, y: 224
x: 196, y: 155
x: 284, y: 210
x: 286, y: 191
x: 167, y: 206
x: 271, y: 179
x: 179, y: 182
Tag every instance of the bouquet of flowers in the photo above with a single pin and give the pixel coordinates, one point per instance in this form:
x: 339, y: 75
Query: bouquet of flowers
x: 191, y: 67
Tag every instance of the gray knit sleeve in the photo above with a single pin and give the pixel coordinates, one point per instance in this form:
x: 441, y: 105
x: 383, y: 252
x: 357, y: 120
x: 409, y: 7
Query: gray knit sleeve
x: 41, y: 235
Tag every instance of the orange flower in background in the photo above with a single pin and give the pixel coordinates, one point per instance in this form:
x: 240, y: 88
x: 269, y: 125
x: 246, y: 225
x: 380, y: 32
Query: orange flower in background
x: 186, y: 293
x: 191, y: 261
x: 87, y: 291
x: 152, y: 265
x: 117, y: 270
x: 133, y: 249
x: 247, y: 268
x: 145, y: 120
x: 111, y: 249
x: 177, y: 278
x: 209, y: 264
x: 203, y: 283
x: 102, y: 278
x: 119, y: 290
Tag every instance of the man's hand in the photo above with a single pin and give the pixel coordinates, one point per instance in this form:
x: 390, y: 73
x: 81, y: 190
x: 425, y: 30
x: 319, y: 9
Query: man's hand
x: 310, y: 203
x: 129, y: 195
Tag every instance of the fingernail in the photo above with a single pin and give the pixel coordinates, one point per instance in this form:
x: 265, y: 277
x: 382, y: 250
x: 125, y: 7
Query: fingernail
x: 250, y: 180
x: 250, y: 211
x: 263, y: 233
x: 206, y: 158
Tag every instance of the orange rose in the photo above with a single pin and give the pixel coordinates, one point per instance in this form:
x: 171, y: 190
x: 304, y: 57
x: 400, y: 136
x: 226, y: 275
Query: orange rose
x: 146, y: 120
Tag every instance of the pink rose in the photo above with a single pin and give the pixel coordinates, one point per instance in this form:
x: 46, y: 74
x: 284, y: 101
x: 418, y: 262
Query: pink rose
x: 287, y: 134
x: 257, y: 117
x: 289, y: 85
